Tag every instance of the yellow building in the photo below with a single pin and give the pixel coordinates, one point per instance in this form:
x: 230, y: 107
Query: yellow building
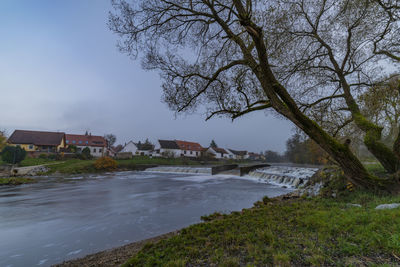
x: 38, y: 141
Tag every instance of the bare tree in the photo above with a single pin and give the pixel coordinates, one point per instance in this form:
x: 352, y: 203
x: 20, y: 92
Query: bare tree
x: 236, y: 57
x: 111, y: 139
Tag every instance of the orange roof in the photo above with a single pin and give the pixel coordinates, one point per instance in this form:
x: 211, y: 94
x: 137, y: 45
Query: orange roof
x: 85, y: 140
x: 185, y: 145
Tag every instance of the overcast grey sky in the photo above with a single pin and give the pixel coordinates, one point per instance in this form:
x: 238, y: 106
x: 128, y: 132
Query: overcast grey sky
x: 60, y: 70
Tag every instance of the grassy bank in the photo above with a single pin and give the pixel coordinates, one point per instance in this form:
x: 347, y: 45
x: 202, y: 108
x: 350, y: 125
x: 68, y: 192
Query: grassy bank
x: 16, y: 181
x: 301, y: 232
x: 75, y: 166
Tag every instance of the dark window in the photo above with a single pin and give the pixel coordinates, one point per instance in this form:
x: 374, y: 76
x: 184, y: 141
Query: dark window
x: 191, y: 152
x: 94, y: 150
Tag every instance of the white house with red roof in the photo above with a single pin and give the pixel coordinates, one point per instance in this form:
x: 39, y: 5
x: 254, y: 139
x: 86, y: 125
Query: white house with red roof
x: 179, y: 148
x: 97, y: 144
x: 190, y: 149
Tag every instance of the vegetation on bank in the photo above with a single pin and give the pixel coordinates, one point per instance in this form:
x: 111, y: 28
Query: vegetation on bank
x: 16, y: 181
x: 75, y: 166
x: 295, y: 232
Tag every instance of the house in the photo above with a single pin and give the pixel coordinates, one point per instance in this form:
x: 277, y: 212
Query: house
x: 96, y: 144
x: 142, y: 149
x: 38, y: 142
x: 130, y: 147
x: 239, y: 154
x: 169, y: 149
x: 219, y: 153
x: 190, y: 149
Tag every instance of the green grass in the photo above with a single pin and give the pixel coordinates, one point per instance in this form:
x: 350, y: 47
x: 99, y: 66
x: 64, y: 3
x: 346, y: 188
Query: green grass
x: 72, y: 166
x: 303, y: 232
x: 75, y: 166
x: 35, y: 161
x: 16, y: 181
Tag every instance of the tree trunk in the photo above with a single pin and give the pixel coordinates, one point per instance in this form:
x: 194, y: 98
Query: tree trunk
x: 396, y: 146
x: 353, y: 169
x: 389, y: 160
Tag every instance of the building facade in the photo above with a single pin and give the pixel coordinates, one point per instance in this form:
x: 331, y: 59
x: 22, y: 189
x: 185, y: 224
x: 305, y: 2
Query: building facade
x: 96, y: 144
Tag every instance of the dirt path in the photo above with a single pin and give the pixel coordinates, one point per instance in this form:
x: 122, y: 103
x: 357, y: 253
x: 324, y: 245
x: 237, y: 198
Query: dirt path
x: 115, y: 256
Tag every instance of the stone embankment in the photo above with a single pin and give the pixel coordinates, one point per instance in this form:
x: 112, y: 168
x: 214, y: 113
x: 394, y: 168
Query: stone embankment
x: 28, y: 171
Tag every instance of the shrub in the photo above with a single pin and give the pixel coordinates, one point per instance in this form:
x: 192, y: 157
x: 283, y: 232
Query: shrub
x: 105, y: 163
x: 13, y: 154
x: 43, y: 156
x: 52, y: 156
x: 85, y: 154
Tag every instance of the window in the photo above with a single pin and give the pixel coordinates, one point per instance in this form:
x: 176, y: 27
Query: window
x: 73, y: 141
x: 94, y: 150
x: 67, y: 141
x: 197, y: 153
x: 184, y: 152
x: 30, y: 146
x: 191, y: 152
x: 99, y: 150
x: 87, y: 142
x: 80, y: 142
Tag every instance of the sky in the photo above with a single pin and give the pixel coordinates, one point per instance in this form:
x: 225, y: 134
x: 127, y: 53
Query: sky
x: 60, y: 70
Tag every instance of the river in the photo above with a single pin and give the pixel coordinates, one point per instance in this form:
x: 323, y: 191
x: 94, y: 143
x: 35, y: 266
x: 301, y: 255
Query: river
x: 61, y: 218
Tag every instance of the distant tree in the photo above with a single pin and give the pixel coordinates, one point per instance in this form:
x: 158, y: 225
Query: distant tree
x: 111, y: 139
x: 303, y: 150
x: 118, y: 148
x: 147, y: 145
x: 3, y: 140
x: 213, y: 144
x: 13, y: 154
x: 273, y: 156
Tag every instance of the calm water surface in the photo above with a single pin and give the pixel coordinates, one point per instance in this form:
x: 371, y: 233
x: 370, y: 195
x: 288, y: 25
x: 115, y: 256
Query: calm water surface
x: 64, y: 218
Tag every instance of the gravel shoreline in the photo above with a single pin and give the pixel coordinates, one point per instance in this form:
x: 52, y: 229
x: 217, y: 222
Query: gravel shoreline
x: 114, y: 256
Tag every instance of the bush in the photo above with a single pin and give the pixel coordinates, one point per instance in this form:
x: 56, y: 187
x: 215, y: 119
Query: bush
x: 105, y: 163
x: 13, y: 154
x: 52, y: 156
x: 43, y: 156
x: 85, y: 154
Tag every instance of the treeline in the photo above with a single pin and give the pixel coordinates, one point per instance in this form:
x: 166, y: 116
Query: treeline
x: 299, y: 149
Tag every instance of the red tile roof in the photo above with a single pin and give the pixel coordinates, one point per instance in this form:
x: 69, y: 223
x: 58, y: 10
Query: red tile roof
x: 85, y: 140
x: 184, y: 145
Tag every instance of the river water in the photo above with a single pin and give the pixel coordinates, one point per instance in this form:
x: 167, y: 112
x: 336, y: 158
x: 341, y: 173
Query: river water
x: 58, y: 219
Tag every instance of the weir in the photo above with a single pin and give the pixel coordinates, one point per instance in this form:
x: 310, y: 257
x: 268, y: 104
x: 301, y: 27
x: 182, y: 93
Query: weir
x: 293, y: 177
x: 180, y: 169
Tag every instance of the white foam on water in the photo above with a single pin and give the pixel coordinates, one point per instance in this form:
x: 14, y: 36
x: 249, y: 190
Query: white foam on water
x: 41, y: 262
x: 74, y: 252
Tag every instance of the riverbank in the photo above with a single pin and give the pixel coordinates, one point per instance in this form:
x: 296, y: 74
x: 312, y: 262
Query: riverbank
x: 16, y: 180
x: 284, y: 231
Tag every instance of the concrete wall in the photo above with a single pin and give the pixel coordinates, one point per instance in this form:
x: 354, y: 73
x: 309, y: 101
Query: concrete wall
x: 218, y: 169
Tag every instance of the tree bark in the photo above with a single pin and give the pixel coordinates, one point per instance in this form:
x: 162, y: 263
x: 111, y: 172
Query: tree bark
x: 388, y: 158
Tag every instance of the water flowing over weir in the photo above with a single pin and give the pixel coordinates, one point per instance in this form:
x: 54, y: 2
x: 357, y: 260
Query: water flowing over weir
x: 178, y: 169
x: 293, y: 177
